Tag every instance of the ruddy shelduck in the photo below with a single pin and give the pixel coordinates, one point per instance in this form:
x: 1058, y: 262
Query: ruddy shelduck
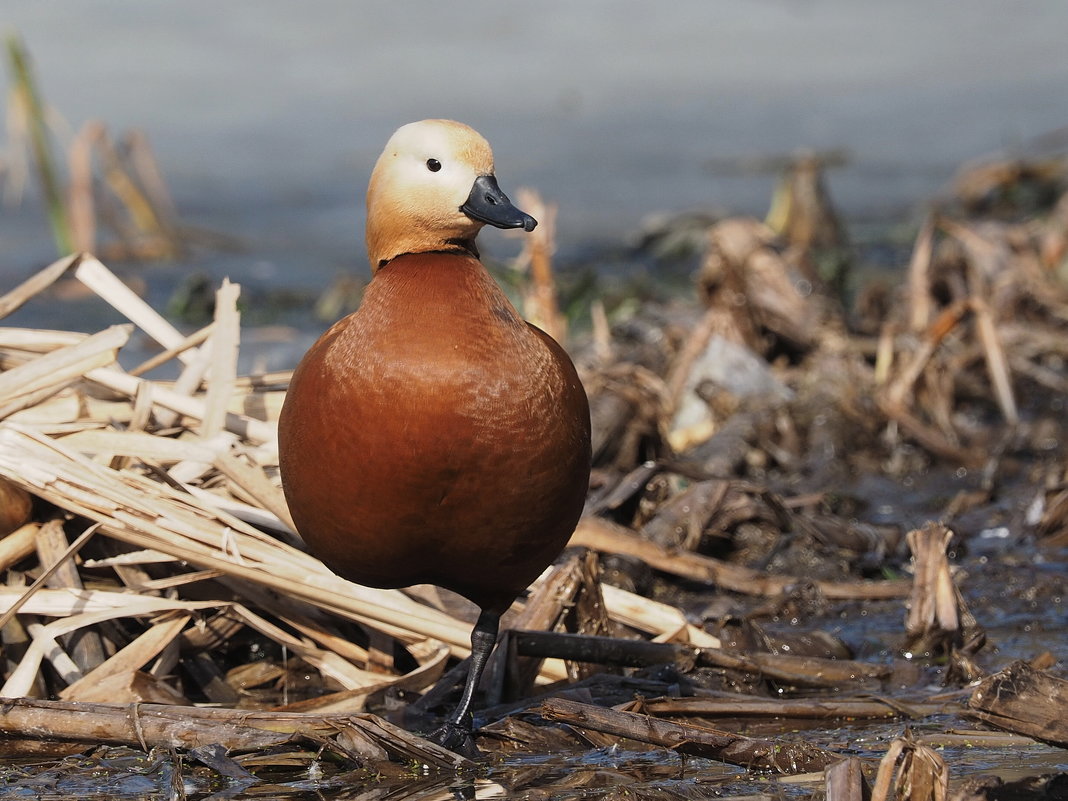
x: 433, y: 436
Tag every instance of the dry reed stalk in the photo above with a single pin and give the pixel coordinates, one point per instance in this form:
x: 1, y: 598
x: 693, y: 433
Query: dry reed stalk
x: 45, y: 644
x: 27, y: 99
x: 601, y: 535
x: 932, y: 439
x: 933, y: 602
x: 194, y: 340
x: 1026, y: 700
x: 695, y: 344
x: 91, y: 272
x: 996, y: 361
x: 70, y: 411
x: 17, y: 545
x: 86, y: 648
x: 247, y: 513
x: 58, y: 368
x: 550, y: 597
x: 31, y: 399
x: 148, y: 234
x: 34, y: 340
x: 808, y: 709
x: 755, y: 287
x: 134, y: 180
x: 363, y: 738
x: 323, y: 634
x: 138, y: 653
x: 602, y: 331
x: 169, y: 582
x: 912, y: 772
x: 798, y: 671
x: 252, y: 479
x: 919, y: 288
x: 104, y: 444
x: 223, y: 370
x: 77, y: 610
x: 189, y: 384
x: 540, y: 304
x: 146, y: 169
x: 431, y: 666
x: 844, y: 781
x: 149, y: 515
x: 40, y: 581
x: 255, y: 431
x: 14, y: 166
x: 936, y: 331
x: 81, y: 205
x: 702, y: 741
x: 328, y: 663
x: 666, y: 623
x: 37, y: 283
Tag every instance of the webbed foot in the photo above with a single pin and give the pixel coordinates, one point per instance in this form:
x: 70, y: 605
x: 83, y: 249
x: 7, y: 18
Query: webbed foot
x: 458, y: 739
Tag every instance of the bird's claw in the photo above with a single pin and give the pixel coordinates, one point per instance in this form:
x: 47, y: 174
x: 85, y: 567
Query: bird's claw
x: 457, y: 738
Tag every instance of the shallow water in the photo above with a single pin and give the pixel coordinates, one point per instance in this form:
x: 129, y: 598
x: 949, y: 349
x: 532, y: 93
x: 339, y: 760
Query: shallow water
x: 597, y: 773
x: 267, y: 116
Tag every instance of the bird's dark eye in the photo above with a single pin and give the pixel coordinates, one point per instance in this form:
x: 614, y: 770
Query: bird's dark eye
x: 433, y: 165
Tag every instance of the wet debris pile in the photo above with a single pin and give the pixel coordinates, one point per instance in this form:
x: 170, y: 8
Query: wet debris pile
x: 751, y: 453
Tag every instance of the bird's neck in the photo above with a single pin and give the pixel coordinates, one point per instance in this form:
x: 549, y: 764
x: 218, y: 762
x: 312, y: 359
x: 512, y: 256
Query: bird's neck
x: 442, y: 285
x: 392, y: 232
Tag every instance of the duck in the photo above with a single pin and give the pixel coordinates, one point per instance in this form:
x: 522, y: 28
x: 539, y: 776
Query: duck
x: 433, y: 436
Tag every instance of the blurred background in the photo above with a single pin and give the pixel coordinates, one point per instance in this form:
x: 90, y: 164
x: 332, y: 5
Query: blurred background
x: 265, y: 119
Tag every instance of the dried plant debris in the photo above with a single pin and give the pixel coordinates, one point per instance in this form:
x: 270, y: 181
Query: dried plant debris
x: 117, y: 187
x: 911, y: 771
x: 1024, y: 700
x: 803, y: 527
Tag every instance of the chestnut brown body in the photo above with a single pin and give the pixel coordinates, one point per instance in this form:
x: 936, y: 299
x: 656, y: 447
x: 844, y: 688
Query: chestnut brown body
x: 435, y: 437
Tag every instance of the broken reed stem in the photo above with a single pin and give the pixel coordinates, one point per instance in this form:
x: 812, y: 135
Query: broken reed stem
x: 735, y: 749
x: 602, y: 535
x: 64, y: 365
x: 17, y: 545
x: 919, y: 289
x: 255, y: 431
x: 148, y: 726
x: 80, y: 202
x: 1025, y: 700
x: 142, y: 215
x: 194, y: 340
x: 91, y: 272
x: 36, y: 283
x: 151, y: 515
x: 996, y: 362
x: 541, y: 303
x: 223, y: 368
x: 933, y: 335
x: 26, y: 93
x: 146, y: 169
x: 912, y: 772
x: 46, y: 574
x: 135, y: 655
x: 692, y: 348
x: 844, y: 781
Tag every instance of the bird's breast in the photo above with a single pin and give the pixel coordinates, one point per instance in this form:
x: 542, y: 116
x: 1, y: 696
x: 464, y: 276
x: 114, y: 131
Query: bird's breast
x: 433, y: 430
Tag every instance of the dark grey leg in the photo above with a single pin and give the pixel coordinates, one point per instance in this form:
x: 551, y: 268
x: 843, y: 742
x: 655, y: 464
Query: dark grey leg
x: 455, y: 733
